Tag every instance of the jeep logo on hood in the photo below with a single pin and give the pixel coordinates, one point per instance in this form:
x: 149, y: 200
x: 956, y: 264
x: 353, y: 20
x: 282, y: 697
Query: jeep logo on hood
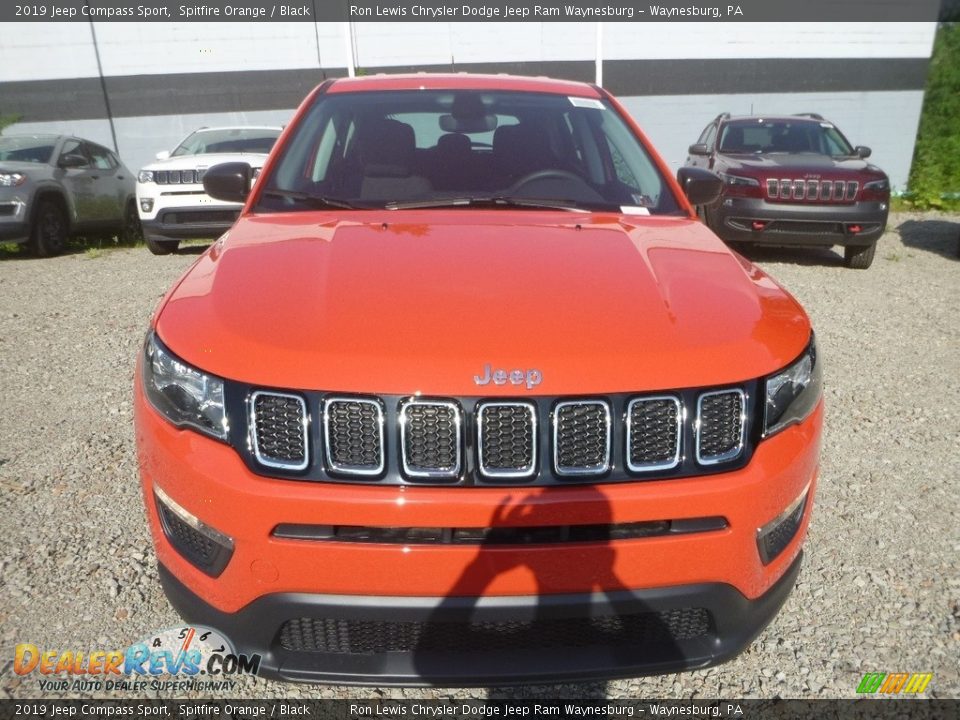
x: 531, y: 378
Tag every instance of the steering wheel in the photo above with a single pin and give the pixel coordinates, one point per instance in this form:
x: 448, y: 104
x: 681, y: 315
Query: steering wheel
x: 547, y: 174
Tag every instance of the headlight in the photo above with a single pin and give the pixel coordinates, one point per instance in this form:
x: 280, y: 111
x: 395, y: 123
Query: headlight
x: 739, y: 180
x: 145, y: 176
x: 793, y: 393
x: 12, y: 179
x: 183, y: 394
x: 877, y: 185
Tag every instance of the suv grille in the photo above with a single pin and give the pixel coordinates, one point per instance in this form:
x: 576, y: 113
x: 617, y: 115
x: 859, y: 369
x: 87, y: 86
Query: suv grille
x: 278, y: 430
x: 581, y: 438
x: 430, y: 436
x: 653, y: 433
x: 354, y: 436
x: 374, y: 637
x: 813, y: 190
x: 395, y: 440
x: 178, y: 177
x: 720, y: 428
x: 507, y: 439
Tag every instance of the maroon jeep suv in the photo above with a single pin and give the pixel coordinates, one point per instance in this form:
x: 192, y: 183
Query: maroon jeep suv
x: 793, y: 180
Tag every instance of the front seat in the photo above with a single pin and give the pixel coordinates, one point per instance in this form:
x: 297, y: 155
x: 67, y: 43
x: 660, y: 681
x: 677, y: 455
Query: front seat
x: 388, y: 151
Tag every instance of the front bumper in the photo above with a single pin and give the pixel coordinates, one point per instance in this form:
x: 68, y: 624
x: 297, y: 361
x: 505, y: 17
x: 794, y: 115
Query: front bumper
x: 799, y: 223
x: 270, y: 580
x: 14, y: 225
x: 475, y: 659
x: 181, y: 223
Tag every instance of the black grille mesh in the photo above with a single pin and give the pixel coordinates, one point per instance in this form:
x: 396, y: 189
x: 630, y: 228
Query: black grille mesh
x: 653, y: 431
x: 279, y: 428
x: 431, y: 438
x: 721, y: 424
x: 181, y: 217
x: 370, y: 637
x: 353, y: 431
x: 196, y: 546
x: 582, y: 436
x: 507, y: 440
x: 776, y: 541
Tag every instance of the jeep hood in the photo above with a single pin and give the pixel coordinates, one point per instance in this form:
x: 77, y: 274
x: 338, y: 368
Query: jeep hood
x: 421, y: 301
x: 803, y: 162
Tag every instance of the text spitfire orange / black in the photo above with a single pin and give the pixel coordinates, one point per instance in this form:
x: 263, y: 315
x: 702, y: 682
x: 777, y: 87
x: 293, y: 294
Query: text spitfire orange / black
x: 342, y: 475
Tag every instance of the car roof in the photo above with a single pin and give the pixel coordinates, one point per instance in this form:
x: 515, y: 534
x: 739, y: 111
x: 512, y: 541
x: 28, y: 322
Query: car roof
x: 777, y: 118
x: 462, y: 81
x: 219, y: 128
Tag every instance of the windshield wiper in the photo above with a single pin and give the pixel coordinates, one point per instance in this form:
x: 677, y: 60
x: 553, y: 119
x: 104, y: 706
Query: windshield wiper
x: 317, y: 201
x: 502, y: 201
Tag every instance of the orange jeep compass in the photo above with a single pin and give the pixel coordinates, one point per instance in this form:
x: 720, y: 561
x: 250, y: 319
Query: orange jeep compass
x: 468, y: 396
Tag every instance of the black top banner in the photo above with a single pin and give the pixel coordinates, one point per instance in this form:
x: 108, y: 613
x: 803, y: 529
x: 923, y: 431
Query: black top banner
x: 470, y: 11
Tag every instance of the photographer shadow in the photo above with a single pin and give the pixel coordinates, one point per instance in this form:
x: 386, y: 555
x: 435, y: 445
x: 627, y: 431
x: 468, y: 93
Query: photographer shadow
x: 604, y: 629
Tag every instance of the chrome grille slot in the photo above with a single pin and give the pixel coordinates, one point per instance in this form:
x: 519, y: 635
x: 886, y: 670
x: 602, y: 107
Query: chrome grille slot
x: 653, y: 433
x: 826, y: 189
x: 813, y: 188
x: 721, y: 426
x: 786, y: 189
x: 852, y: 188
x: 839, y: 190
x: 581, y: 437
x: 278, y: 430
x: 773, y: 188
x: 507, y: 439
x: 353, y: 435
x: 430, y: 438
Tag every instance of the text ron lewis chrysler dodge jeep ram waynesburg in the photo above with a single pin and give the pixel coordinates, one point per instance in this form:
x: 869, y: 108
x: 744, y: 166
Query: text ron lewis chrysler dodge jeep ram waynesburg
x: 468, y: 395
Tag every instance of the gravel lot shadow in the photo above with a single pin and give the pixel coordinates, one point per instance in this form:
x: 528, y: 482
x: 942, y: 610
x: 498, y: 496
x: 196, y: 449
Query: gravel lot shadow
x: 820, y: 256
x: 937, y: 236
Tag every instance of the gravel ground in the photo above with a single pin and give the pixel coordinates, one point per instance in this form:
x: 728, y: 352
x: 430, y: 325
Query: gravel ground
x: 880, y: 588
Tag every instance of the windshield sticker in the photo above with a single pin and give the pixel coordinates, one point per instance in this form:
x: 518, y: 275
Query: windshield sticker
x: 633, y: 210
x: 585, y: 102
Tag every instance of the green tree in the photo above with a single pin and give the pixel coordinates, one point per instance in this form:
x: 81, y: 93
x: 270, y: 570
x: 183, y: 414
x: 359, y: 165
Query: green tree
x: 936, y: 157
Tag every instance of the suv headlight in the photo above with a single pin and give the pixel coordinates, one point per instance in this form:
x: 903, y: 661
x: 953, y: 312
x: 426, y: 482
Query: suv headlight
x: 145, y: 176
x: 793, y: 393
x: 12, y: 179
x: 183, y: 394
x: 877, y: 185
x: 739, y: 180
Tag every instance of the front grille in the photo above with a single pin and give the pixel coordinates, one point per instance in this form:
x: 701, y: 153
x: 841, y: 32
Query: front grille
x: 812, y: 190
x: 178, y: 177
x: 354, y: 436
x: 278, y: 430
x: 430, y: 439
x: 199, y: 217
x: 720, y: 426
x: 653, y: 433
x: 507, y: 439
x: 531, y: 441
x: 374, y: 637
x: 524, y: 535
x: 581, y: 437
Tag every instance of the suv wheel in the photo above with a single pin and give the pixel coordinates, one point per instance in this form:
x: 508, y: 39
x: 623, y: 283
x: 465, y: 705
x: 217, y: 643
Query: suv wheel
x: 131, y: 232
x: 49, y: 232
x: 859, y: 257
x: 162, y: 247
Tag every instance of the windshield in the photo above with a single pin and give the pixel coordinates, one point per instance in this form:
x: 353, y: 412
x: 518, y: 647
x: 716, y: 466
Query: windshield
x: 783, y: 136
x: 457, y: 148
x: 34, y: 149
x: 228, y: 140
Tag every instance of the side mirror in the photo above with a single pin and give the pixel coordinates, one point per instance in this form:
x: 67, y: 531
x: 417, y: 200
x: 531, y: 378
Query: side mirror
x: 862, y: 151
x: 228, y: 181
x: 73, y: 160
x: 163, y: 155
x: 698, y: 149
x: 701, y: 187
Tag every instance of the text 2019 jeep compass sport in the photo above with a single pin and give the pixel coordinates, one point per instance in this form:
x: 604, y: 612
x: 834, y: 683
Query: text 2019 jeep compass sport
x: 468, y: 395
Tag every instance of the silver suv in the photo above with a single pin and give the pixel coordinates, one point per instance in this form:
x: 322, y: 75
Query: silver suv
x: 55, y: 186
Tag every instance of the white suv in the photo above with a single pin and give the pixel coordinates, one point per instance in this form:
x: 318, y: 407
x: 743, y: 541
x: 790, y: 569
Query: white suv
x: 170, y: 196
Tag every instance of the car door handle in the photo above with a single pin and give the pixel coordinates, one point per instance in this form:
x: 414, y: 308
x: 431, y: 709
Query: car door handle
x: 95, y: 177
x: 119, y: 177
